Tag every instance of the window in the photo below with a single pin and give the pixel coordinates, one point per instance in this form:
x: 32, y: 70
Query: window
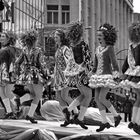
x: 49, y: 46
x: 52, y: 14
x: 65, y: 14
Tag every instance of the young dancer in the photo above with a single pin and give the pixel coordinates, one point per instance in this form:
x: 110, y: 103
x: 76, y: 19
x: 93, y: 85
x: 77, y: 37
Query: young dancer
x: 105, y: 69
x: 82, y: 58
x: 7, y: 76
x: 63, y: 59
x: 131, y: 70
x: 30, y: 70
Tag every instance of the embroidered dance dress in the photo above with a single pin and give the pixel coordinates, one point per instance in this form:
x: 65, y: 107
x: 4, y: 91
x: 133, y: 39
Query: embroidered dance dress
x: 82, y: 58
x: 30, y: 67
x: 105, y: 68
x: 131, y: 68
x: 65, y: 66
x: 7, y: 69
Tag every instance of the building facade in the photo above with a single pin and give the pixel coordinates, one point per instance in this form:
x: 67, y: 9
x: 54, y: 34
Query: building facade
x: 119, y: 13
x: 136, y: 17
x: 47, y: 15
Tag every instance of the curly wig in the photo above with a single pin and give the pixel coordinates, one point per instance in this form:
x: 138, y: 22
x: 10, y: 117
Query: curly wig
x: 75, y: 31
x: 109, y: 32
x: 29, y: 38
x: 134, y: 32
x: 62, y: 36
x: 11, y: 37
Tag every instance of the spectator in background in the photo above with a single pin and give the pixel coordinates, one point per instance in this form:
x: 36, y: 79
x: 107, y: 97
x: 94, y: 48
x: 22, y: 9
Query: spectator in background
x: 127, y: 109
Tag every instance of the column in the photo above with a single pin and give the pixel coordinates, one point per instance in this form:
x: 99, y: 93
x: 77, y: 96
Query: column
x: 92, y: 31
x: 108, y: 11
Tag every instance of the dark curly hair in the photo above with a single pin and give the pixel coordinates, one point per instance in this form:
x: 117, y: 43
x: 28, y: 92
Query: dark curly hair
x: 75, y: 31
x: 134, y: 32
x: 11, y: 37
x: 109, y: 32
x: 62, y: 35
x: 29, y: 38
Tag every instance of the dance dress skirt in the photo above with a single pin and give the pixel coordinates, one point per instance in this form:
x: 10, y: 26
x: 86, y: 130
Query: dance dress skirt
x: 30, y: 76
x: 79, y: 79
x: 73, y: 68
x: 7, y: 77
x: 131, y: 78
x: 104, y: 80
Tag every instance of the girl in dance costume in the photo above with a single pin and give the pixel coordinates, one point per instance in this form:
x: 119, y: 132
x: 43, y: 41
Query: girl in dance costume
x: 30, y: 68
x: 105, y: 69
x: 63, y: 59
x: 82, y: 58
x: 131, y: 70
x: 8, y: 54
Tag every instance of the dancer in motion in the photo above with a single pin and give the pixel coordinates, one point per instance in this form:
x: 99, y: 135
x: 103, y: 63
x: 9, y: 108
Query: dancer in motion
x: 30, y: 70
x: 131, y: 77
x: 82, y: 58
x: 105, y: 70
x: 63, y: 59
x: 8, y: 54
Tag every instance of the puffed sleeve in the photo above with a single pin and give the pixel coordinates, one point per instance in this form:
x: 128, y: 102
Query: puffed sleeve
x: 18, y: 62
x: 87, y: 57
x: 67, y: 53
x: 114, y: 63
x: 95, y: 63
x: 41, y: 64
x: 113, y: 59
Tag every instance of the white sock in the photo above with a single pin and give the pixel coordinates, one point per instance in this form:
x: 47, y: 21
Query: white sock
x: 74, y: 104
x: 7, y: 105
x: 103, y: 116
x: 82, y: 112
x: 138, y: 117
x: 75, y: 110
x: 134, y: 114
x: 113, y: 111
x: 32, y: 110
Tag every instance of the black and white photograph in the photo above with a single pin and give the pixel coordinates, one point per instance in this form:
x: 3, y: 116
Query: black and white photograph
x: 69, y: 69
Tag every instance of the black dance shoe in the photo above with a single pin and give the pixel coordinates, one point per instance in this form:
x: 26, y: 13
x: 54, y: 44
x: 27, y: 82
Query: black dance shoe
x: 81, y: 123
x: 117, y: 120
x: 131, y: 125
x: 66, y: 123
x: 103, y: 126
x: 31, y: 119
x: 136, y: 128
x: 10, y: 115
x: 67, y: 114
x: 74, y: 117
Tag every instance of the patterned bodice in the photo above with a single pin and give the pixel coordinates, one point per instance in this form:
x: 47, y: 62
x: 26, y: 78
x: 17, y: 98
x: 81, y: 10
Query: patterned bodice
x: 105, y: 60
x: 82, y: 55
x: 59, y: 59
x: 133, y: 58
x: 29, y: 61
